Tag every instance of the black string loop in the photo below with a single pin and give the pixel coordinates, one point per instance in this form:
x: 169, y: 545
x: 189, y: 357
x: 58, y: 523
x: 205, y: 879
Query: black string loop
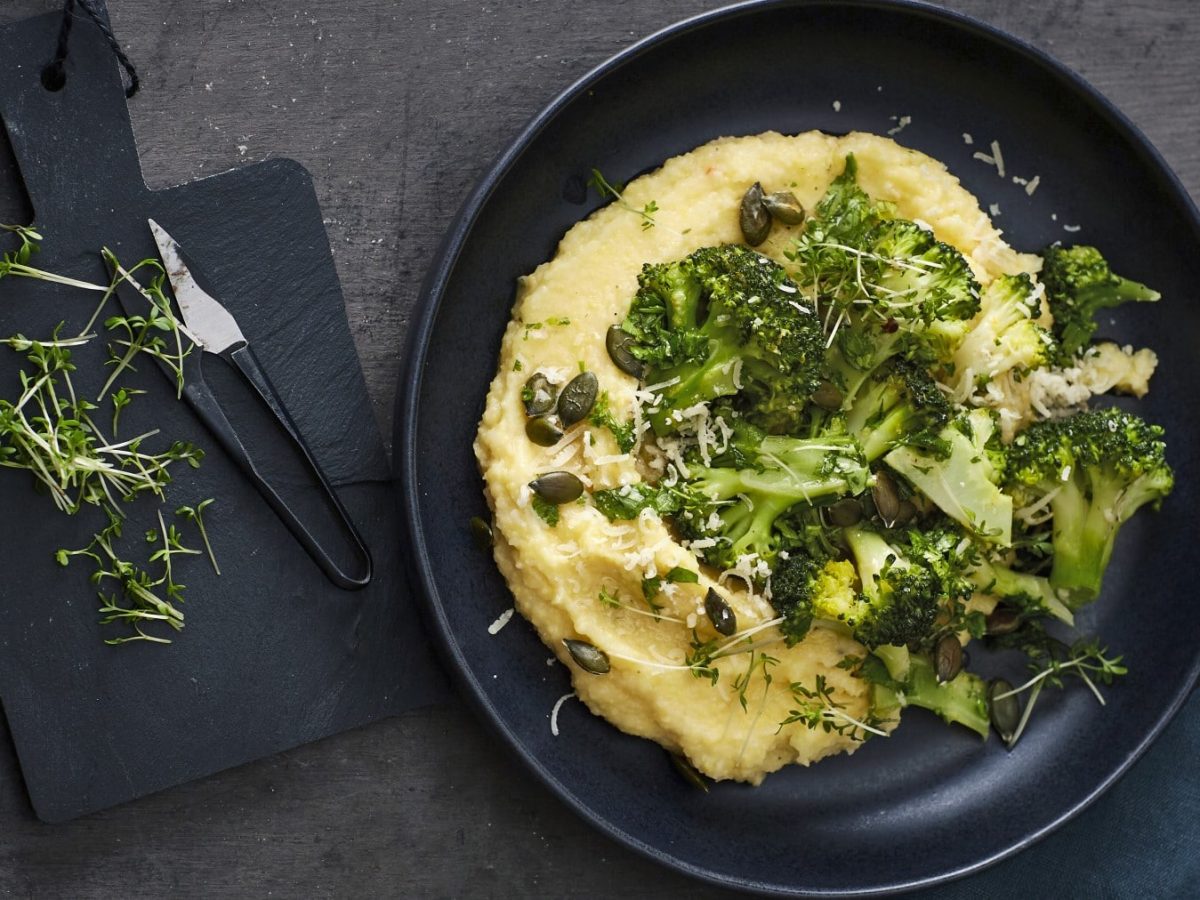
x: 54, y: 75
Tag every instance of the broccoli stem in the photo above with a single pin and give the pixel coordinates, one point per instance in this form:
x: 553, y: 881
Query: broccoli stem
x: 1085, y: 529
x: 871, y: 554
x: 1021, y: 588
x: 962, y: 700
x: 698, y: 383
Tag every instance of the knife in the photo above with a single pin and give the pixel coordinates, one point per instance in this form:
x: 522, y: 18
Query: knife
x: 214, y: 330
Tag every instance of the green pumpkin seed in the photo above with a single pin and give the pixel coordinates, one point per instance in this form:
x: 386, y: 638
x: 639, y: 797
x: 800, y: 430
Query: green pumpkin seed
x: 1003, y: 620
x: 845, y: 512
x: 588, y: 657
x: 948, y: 658
x: 689, y: 772
x: 1006, y: 711
x: 827, y: 396
x: 784, y: 207
x: 906, y: 513
x: 545, y: 431
x: 557, y: 487
x: 720, y: 613
x: 618, y: 341
x: 754, y: 218
x: 538, y: 396
x: 578, y: 398
x: 887, y: 498
x: 481, y: 531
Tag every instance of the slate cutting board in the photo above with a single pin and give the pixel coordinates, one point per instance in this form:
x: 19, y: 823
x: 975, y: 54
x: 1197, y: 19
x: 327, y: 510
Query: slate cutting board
x: 272, y: 655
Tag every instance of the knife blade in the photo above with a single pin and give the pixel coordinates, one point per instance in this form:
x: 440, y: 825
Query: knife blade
x: 214, y: 328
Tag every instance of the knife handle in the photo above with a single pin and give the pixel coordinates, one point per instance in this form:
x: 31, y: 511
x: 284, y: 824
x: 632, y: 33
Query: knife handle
x: 205, y: 403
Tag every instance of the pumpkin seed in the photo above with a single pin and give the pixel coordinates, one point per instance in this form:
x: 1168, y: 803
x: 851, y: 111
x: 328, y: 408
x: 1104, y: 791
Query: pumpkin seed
x: 481, y: 531
x: 618, y: 341
x: 588, y: 657
x: 827, y: 396
x: 1003, y: 620
x: 784, y: 207
x: 948, y: 658
x: 689, y: 772
x: 754, y: 218
x: 538, y: 396
x: 720, y: 613
x: 578, y: 398
x: 545, y: 431
x: 886, y: 497
x: 906, y: 513
x: 1006, y: 711
x: 845, y: 512
x: 557, y: 487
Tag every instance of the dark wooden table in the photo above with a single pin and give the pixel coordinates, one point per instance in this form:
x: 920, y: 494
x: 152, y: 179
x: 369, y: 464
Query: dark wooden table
x: 397, y: 107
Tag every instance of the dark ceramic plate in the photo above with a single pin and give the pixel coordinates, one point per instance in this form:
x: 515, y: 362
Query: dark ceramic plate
x: 931, y: 803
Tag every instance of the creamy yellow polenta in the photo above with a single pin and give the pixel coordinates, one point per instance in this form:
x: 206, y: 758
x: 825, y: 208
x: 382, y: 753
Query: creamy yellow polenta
x: 556, y: 574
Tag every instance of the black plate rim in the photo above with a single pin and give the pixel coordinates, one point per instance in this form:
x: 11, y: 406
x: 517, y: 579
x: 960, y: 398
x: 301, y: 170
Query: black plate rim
x: 429, y: 304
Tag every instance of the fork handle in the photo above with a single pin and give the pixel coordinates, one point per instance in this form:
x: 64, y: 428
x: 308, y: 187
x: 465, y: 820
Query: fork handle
x: 243, y: 358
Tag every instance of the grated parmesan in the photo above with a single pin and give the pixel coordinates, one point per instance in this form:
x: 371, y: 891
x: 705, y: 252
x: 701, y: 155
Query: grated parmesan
x: 554, y: 712
x: 501, y: 620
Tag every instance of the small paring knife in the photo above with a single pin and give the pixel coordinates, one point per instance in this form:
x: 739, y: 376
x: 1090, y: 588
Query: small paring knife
x: 214, y: 330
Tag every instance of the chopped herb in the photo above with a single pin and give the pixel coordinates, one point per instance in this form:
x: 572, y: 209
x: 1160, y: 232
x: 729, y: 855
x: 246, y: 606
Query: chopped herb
x: 602, y: 417
x: 680, y: 575
x: 545, y: 509
x: 650, y: 589
x: 608, y: 599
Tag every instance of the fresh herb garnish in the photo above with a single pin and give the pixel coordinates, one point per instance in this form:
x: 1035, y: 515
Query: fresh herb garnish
x: 610, y: 191
x: 545, y: 509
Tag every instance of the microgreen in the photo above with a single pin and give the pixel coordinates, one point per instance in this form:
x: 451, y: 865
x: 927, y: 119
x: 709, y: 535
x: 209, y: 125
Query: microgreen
x: 610, y: 191
x: 196, y: 514
x: 817, y: 709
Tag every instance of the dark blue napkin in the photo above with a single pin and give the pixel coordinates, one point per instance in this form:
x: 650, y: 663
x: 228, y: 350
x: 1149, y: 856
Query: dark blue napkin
x: 1141, y: 839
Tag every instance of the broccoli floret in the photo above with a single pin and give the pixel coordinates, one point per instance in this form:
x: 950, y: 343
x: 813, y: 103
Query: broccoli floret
x: 962, y: 570
x: 738, y: 499
x: 1022, y: 589
x: 887, y: 286
x: 718, y: 323
x: 879, y: 596
x: 903, y: 596
x: 963, y: 482
x: 962, y: 700
x: 801, y: 583
x: 901, y: 404
x: 1005, y: 336
x: 1080, y: 283
x: 923, y: 280
x: 1096, y: 469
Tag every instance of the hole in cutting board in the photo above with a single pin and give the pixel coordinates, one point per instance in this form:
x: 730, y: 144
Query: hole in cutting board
x: 15, y: 208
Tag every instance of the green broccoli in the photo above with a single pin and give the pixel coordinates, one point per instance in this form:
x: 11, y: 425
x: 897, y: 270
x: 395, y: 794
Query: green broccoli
x: 949, y: 551
x: 1031, y: 593
x: 899, y: 680
x: 900, y: 404
x: 1095, y: 469
x: 1005, y: 336
x: 963, y: 481
x: 879, y: 595
x: 737, y: 501
x: 887, y: 286
x: 721, y: 322
x: 1080, y: 283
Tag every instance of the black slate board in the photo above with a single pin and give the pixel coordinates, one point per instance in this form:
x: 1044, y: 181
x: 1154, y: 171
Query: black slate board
x: 272, y: 655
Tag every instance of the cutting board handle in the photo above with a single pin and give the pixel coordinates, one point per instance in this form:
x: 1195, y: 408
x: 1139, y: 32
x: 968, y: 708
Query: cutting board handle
x: 74, y: 162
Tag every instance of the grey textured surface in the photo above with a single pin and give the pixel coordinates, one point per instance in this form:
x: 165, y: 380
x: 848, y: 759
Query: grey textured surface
x: 397, y: 108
